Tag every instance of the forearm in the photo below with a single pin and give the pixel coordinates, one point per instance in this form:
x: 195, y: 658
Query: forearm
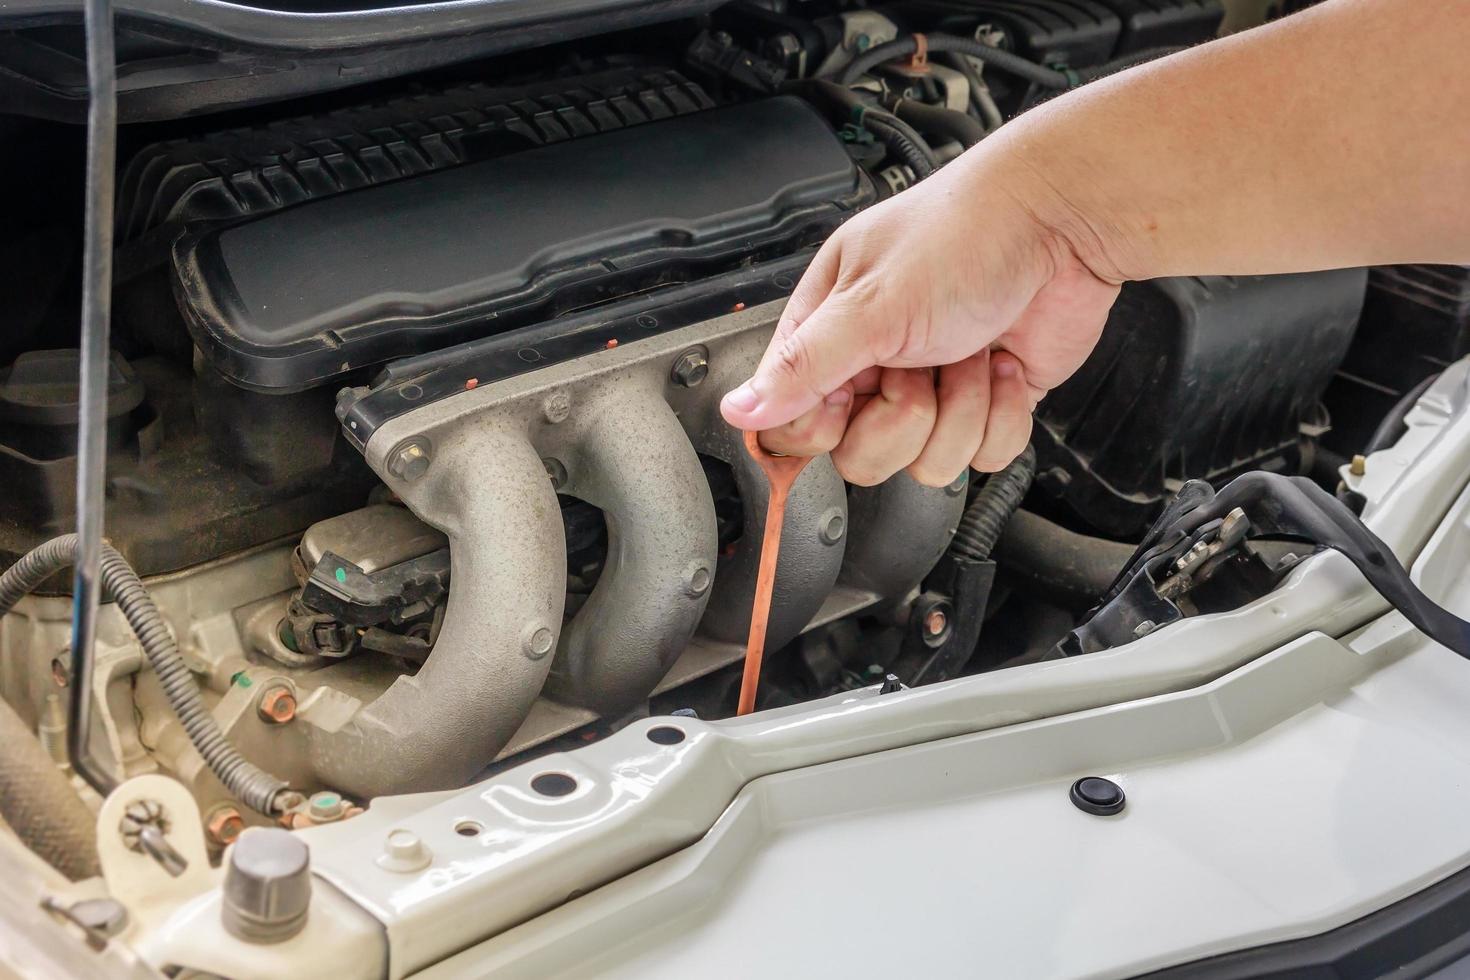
x: 1334, y: 138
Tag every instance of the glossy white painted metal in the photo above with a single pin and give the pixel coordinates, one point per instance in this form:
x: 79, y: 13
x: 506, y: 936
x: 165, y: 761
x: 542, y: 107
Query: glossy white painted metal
x: 637, y: 802
x: 952, y: 797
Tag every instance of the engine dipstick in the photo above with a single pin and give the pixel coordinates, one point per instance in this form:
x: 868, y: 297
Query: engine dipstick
x: 781, y: 472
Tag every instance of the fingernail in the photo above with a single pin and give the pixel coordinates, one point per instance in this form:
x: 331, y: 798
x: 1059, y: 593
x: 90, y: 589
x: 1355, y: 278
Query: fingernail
x: 743, y: 399
x: 1004, y: 367
x: 839, y: 398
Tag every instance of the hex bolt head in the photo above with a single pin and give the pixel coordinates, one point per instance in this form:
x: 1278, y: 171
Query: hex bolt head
x: 696, y: 580
x: 691, y: 367
x: 538, y: 642
x: 556, y: 407
x: 224, y: 825
x: 410, y: 459
x: 267, y: 889
x: 277, y: 705
x: 403, y: 852
x: 832, y: 525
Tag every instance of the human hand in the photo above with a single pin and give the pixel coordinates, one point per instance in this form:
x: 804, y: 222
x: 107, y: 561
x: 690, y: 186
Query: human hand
x: 957, y: 274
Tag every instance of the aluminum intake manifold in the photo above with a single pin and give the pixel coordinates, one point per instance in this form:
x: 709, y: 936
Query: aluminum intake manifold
x: 621, y: 429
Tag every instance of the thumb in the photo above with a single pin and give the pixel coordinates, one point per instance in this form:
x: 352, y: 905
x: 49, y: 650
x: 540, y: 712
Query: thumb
x: 801, y: 369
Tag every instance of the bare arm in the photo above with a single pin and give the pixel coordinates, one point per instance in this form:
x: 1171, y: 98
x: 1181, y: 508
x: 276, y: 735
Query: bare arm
x: 1334, y: 138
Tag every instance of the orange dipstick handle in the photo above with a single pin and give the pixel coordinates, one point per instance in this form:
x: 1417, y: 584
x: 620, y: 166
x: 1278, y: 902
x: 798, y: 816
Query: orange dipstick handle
x: 781, y: 472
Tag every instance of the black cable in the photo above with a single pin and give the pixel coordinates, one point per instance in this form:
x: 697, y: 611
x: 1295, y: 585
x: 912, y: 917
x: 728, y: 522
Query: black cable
x: 986, y: 516
x: 1000, y: 60
x: 901, y: 139
x: 846, y: 107
x: 1392, y: 428
x: 92, y: 384
x: 254, y: 787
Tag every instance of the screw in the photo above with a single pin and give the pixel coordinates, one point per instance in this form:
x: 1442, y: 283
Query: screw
x: 539, y: 642
x: 1358, y: 466
x: 832, y: 524
x: 224, y: 825
x: 277, y: 706
x: 410, y: 459
x: 696, y: 580
x: 691, y: 367
x: 557, y: 407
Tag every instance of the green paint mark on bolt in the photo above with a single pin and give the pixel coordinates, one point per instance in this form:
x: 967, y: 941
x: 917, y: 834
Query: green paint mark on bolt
x: 241, y: 679
x: 341, y: 574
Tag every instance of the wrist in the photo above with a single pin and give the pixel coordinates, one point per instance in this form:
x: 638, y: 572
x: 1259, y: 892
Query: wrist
x: 1075, y: 215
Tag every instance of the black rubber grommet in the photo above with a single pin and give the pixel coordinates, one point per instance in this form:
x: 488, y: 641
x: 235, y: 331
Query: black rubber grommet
x: 1096, y: 795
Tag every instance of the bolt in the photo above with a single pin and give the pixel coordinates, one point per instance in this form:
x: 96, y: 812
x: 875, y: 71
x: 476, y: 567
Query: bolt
x: 1145, y: 628
x: 1358, y: 466
x: 224, y: 825
x: 410, y: 459
x: 403, y: 851
x: 556, y: 471
x: 556, y: 407
x: 691, y: 367
x: 539, y: 642
x: 935, y: 622
x: 277, y: 705
x: 696, y: 580
x: 831, y: 526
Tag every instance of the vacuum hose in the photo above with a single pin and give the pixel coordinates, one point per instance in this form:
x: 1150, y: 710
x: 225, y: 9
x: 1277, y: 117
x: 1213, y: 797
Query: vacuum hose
x: 38, y: 803
x: 988, y: 513
x: 1000, y: 60
x: 887, y: 128
x: 256, y: 788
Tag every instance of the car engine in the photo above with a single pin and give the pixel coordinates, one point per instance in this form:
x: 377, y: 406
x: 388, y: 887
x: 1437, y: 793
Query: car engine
x: 413, y: 427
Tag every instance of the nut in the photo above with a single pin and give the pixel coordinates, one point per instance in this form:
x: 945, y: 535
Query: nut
x: 277, y: 705
x: 410, y: 459
x: 691, y: 367
x: 224, y: 826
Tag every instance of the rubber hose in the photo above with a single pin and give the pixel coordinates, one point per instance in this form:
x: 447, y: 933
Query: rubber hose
x: 1001, y: 60
x: 1060, y: 561
x: 979, y: 92
x: 1392, y: 428
x: 906, y: 144
x: 253, y: 786
x: 987, y: 515
x: 937, y: 119
x: 39, y: 804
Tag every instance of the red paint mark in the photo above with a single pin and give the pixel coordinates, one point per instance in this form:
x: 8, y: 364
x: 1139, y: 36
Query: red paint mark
x: 470, y: 384
x: 737, y: 307
x: 612, y: 343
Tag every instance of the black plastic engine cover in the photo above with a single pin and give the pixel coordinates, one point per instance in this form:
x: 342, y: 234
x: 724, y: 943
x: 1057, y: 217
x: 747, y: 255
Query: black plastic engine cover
x: 1194, y: 378
x: 291, y: 299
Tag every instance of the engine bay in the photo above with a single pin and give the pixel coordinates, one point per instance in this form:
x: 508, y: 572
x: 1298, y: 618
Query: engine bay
x: 413, y: 428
